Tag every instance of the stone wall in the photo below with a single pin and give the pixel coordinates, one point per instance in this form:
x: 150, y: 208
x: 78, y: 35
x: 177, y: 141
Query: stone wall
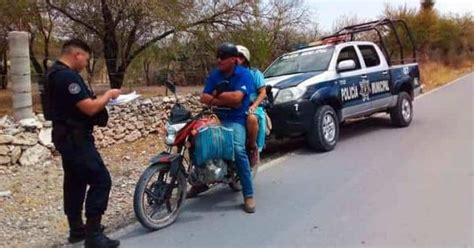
x: 28, y: 142
x: 130, y: 122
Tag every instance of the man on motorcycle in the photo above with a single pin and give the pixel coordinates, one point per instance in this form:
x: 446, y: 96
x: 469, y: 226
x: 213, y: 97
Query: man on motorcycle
x: 256, y: 120
x: 229, y: 86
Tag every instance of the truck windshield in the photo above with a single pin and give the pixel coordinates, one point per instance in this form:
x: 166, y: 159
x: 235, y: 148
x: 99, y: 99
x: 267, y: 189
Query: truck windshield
x: 304, y: 61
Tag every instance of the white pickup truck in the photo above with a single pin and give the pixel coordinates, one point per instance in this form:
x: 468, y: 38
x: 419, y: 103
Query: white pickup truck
x: 318, y: 87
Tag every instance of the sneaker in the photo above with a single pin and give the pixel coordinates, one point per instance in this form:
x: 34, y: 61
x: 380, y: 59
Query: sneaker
x: 196, y: 190
x: 99, y: 240
x: 249, y: 205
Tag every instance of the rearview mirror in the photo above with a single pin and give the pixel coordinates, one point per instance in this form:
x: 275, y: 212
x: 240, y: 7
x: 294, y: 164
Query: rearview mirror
x: 268, y: 90
x: 346, y: 65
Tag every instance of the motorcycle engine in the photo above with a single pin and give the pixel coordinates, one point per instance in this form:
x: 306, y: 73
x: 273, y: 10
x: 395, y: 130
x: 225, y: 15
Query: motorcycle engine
x: 214, y: 170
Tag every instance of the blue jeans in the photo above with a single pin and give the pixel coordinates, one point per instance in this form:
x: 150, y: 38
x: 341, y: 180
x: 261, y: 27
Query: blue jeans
x: 241, y: 159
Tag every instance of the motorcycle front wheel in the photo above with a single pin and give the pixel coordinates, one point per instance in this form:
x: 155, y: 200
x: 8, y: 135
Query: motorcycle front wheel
x: 159, y: 196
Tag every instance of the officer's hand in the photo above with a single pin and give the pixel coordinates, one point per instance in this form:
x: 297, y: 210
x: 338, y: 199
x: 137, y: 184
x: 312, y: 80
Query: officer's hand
x: 113, y: 93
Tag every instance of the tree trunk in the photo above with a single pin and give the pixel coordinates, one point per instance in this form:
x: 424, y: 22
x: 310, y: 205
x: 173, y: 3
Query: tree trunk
x: 111, y: 56
x: 111, y: 48
x: 91, y: 69
x: 3, y: 70
x: 34, y: 61
x: 146, y: 69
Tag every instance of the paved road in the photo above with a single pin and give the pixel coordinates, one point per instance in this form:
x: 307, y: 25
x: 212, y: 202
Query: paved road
x: 381, y: 187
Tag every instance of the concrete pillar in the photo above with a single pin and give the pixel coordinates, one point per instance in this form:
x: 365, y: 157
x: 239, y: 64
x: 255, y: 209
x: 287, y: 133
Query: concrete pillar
x: 20, y: 74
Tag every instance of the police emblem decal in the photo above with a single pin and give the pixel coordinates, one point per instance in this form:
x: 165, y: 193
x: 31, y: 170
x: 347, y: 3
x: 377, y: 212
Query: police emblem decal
x: 74, y: 88
x: 406, y: 70
x: 364, y: 90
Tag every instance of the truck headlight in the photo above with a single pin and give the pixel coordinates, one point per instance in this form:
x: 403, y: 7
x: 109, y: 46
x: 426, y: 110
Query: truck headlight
x: 289, y: 94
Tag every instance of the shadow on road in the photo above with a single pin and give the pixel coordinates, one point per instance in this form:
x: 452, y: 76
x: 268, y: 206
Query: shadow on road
x: 218, y: 200
x: 348, y: 130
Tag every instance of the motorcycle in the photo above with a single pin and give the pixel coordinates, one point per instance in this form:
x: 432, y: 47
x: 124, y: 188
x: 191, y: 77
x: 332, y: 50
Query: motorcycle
x: 160, y: 193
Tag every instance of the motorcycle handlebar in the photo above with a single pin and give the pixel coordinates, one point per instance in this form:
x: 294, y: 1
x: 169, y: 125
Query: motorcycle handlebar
x: 208, y: 111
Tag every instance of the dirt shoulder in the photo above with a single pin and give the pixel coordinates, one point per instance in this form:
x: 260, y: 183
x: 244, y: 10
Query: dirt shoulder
x: 33, y: 215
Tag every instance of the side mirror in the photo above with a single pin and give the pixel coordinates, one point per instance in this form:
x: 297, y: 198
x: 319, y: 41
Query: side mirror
x: 222, y: 86
x: 170, y: 86
x: 346, y: 65
x: 268, y: 90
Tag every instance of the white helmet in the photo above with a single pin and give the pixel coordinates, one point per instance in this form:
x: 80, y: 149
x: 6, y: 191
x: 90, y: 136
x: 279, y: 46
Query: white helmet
x: 244, y: 51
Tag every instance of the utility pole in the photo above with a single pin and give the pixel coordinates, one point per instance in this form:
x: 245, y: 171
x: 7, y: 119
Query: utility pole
x: 20, y: 74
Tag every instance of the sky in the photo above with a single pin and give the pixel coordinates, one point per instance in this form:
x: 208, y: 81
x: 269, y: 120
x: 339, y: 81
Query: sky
x: 327, y: 11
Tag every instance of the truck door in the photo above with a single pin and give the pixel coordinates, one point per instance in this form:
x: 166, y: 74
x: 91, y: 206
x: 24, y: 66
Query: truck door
x: 377, y: 76
x: 348, y: 82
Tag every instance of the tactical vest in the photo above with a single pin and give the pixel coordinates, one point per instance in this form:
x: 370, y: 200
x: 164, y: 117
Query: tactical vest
x: 46, y: 88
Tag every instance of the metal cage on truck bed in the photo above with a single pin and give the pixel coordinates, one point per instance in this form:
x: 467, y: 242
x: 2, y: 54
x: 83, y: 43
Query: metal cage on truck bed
x: 347, y: 34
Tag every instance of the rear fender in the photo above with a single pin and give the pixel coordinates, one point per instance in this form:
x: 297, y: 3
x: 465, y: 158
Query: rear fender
x: 404, y: 79
x: 173, y: 160
x: 405, y: 83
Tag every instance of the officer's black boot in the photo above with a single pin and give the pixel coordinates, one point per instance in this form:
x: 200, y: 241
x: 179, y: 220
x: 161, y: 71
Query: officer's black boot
x: 77, y: 230
x: 95, y: 238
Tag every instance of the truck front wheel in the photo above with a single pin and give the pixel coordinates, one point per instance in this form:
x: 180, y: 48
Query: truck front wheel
x: 324, y: 131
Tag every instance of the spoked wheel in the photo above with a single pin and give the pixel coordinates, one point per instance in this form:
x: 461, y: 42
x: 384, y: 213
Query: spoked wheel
x: 159, y: 197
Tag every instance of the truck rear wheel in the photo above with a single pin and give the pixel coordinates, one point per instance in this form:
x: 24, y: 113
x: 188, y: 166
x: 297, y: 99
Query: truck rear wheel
x: 324, y: 131
x: 402, y: 114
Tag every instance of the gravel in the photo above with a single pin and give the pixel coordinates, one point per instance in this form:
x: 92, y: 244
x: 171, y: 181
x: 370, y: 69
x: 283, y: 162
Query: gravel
x: 31, y: 212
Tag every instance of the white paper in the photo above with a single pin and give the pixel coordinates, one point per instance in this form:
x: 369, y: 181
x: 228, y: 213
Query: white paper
x: 125, y: 98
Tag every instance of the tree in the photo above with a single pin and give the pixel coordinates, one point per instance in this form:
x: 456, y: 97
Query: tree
x: 9, y: 21
x: 34, y: 17
x: 427, y: 5
x: 42, y: 24
x: 444, y: 38
x: 127, y: 28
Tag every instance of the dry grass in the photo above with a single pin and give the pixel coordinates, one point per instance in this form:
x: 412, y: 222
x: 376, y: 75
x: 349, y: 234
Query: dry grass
x: 435, y: 74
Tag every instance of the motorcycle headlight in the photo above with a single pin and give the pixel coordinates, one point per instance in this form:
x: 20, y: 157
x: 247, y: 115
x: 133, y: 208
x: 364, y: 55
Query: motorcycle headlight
x: 289, y: 94
x: 171, y: 131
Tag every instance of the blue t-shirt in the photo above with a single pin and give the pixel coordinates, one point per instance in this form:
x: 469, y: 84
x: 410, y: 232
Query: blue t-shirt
x: 239, y: 80
x: 258, y: 82
x: 68, y: 89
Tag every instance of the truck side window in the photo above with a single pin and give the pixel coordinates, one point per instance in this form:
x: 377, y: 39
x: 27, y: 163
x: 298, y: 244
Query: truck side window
x: 371, y: 58
x: 349, y: 53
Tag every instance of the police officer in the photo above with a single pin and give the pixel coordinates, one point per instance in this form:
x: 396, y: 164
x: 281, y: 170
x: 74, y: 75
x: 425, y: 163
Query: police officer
x: 74, y: 111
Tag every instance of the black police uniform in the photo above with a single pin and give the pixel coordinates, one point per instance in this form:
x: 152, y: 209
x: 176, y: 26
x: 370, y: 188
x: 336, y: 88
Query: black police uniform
x: 72, y: 137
